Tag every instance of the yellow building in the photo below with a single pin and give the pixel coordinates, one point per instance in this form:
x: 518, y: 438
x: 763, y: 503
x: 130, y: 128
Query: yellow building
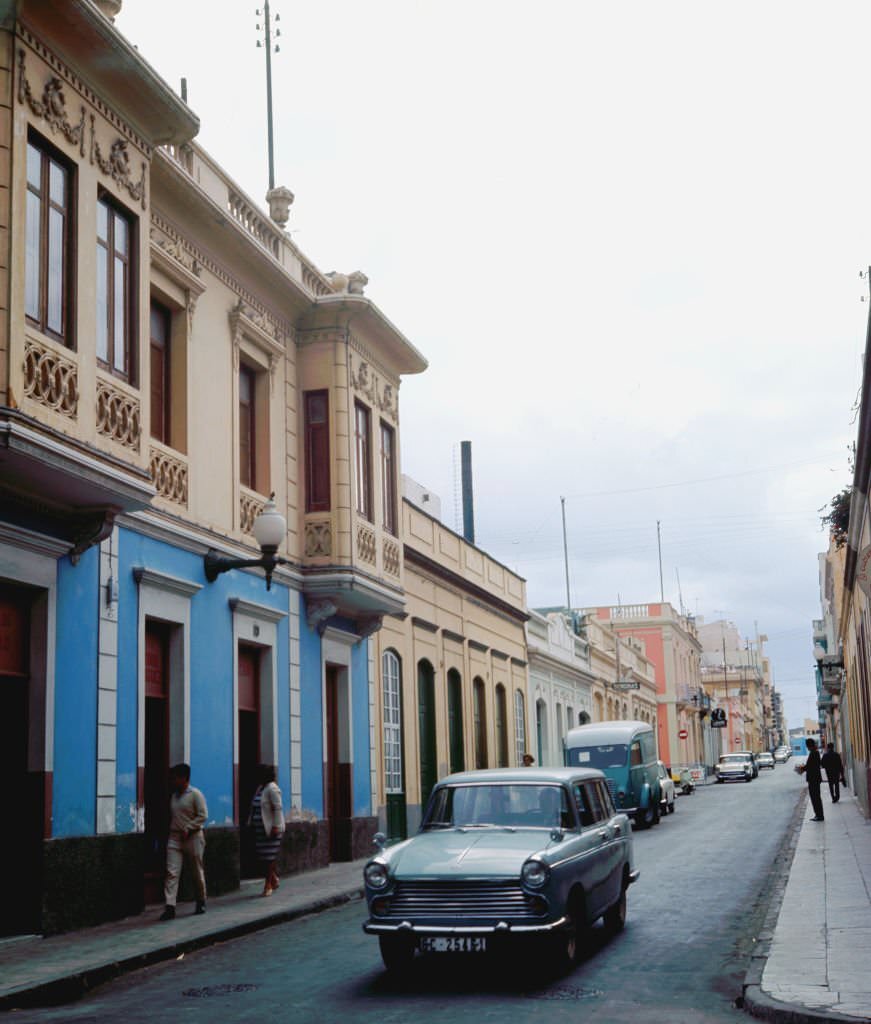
x: 452, y: 672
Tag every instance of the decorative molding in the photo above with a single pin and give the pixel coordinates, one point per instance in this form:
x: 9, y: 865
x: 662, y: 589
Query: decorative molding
x: 430, y: 627
x: 476, y: 645
x: 52, y: 107
x: 391, y: 557
x: 261, y: 330
x: 92, y: 528
x: 169, y: 475
x: 250, y: 506
x: 367, y: 625
x: 256, y: 611
x: 184, y: 588
x: 355, y: 345
x: 51, y: 379
x: 318, y: 611
x: 449, y: 634
x: 84, y: 90
x: 501, y: 655
x: 381, y: 395
x: 367, y: 550
x: 117, y: 165
x: 519, y: 662
x: 318, y: 538
x: 180, y: 264
x: 118, y: 415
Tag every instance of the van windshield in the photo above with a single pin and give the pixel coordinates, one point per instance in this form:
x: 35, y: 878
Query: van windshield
x: 612, y: 755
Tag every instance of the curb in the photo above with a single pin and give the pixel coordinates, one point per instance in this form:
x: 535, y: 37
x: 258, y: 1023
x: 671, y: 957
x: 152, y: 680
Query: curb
x: 73, y: 986
x: 755, y: 1001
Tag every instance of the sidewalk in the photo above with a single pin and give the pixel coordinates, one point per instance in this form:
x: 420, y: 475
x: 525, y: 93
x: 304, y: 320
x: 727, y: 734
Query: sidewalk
x: 38, y: 972
x: 814, y: 957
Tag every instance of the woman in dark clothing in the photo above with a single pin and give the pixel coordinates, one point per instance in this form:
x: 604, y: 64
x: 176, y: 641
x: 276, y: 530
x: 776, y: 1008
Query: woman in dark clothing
x: 834, y: 767
x: 814, y: 778
x: 267, y: 818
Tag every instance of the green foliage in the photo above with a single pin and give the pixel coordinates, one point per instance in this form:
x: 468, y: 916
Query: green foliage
x: 837, y: 519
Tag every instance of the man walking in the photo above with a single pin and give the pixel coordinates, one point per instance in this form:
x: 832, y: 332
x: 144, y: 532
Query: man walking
x: 814, y: 776
x: 834, y: 767
x: 186, y: 842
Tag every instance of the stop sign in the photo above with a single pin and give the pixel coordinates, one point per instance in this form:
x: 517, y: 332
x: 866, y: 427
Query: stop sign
x: 683, y: 734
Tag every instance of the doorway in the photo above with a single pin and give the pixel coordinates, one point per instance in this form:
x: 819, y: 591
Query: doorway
x: 338, y: 766
x: 249, y: 749
x: 23, y: 789
x: 427, y: 730
x: 155, y: 783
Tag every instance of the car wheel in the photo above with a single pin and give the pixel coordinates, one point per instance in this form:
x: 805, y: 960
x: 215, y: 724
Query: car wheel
x: 719, y: 780
x: 397, y: 952
x: 671, y: 807
x: 648, y: 817
x: 615, y: 916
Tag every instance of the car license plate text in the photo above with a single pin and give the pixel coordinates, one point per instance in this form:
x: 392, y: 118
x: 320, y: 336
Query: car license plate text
x: 453, y: 944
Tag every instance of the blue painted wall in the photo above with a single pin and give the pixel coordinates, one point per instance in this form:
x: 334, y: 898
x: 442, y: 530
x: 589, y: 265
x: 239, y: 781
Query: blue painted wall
x: 74, y: 783
x: 362, y: 784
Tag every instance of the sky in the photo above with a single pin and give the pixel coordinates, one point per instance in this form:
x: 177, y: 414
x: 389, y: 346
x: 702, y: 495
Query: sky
x: 627, y: 237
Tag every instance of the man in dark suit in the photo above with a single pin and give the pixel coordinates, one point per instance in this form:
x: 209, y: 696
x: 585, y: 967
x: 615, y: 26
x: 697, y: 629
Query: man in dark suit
x: 814, y: 776
x: 834, y: 767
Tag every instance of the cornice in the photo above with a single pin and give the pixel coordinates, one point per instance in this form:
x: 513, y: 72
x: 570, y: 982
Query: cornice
x: 163, y: 581
x: 256, y: 611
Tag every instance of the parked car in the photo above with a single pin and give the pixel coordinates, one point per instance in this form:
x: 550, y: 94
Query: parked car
x: 684, y: 781
x: 782, y: 755
x: 503, y: 855
x: 626, y: 753
x: 752, y: 758
x: 734, y: 767
x: 765, y: 760
x: 666, y: 790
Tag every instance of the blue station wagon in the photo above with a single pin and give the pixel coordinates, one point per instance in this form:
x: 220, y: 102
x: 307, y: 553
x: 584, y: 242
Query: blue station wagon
x: 503, y: 854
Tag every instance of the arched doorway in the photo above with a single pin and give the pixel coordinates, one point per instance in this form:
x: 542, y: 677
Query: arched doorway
x: 426, y: 730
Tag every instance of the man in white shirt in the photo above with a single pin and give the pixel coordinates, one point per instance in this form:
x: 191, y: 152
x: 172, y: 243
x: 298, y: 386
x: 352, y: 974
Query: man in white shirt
x: 186, y: 842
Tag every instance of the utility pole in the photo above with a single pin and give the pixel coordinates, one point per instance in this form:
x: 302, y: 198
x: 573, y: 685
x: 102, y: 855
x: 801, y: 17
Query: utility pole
x: 566, y: 557
x: 267, y: 30
x: 659, y: 549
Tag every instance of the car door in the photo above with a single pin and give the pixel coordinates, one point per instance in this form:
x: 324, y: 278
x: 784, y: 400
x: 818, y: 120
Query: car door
x: 619, y: 830
x: 590, y: 794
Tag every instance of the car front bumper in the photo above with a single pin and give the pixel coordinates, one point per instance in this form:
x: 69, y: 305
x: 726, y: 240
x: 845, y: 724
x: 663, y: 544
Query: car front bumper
x: 500, y: 928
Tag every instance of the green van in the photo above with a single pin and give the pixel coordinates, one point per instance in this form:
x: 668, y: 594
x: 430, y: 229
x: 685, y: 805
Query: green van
x: 626, y: 753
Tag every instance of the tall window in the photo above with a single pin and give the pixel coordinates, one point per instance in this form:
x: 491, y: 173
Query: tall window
x: 317, y: 451
x: 501, y: 728
x: 391, y: 682
x: 363, y: 460
x: 115, y: 292
x: 161, y: 321
x: 247, y: 435
x: 519, y: 726
x: 49, y: 242
x: 455, y: 721
x: 480, y: 707
x: 388, y: 478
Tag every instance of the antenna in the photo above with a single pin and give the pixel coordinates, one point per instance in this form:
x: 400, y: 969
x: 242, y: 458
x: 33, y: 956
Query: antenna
x: 566, y: 556
x: 659, y: 549
x: 267, y: 44
x: 679, y: 593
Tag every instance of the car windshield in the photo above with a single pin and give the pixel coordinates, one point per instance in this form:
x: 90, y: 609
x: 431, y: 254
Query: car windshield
x: 505, y: 805
x: 733, y: 759
x: 609, y: 755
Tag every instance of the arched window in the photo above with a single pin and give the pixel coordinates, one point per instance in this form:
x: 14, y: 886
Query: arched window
x: 519, y: 726
x: 455, y: 721
x: 501, y: 727
x: 480, y: 705
x: 391, y: 682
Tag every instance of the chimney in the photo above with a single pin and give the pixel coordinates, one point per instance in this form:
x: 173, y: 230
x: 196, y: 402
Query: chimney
x: 468, y: 498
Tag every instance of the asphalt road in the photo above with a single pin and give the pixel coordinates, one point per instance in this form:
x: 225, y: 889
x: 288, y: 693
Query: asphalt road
x: 693, y: 915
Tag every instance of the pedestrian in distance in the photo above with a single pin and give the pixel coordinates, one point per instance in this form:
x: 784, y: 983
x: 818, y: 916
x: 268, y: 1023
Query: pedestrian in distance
x: 528, y: 760
x: 834, y: 768
x: 187, y: 842
x: 814, y: 777
x: 267, y: 818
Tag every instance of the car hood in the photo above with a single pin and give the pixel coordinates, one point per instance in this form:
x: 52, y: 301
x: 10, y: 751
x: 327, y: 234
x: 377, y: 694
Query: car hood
x: 476, y: 852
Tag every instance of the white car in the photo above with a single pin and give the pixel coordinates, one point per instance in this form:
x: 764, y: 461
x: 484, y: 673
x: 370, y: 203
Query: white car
x: 666, y: 789
x: 765, y: 760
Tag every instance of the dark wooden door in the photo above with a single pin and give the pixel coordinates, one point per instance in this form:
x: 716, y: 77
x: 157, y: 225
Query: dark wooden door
x: 338, y: 771
x: 21, y: 856
x: 249, y: 751
x: 455, y: 721
x: 155, y: 783
x: 426, y: 730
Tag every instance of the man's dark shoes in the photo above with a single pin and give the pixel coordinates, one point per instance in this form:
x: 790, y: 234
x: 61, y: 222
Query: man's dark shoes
x: 168, y: 914
x: 816, y: 819
x: 201, y: 907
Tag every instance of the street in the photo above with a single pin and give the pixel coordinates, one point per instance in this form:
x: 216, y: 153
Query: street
x: 693, y: 915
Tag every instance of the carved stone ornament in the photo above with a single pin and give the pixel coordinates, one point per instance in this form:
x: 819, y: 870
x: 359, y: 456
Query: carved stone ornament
x: 279, y: 200
x: 380, y: 395
x: 348, y: 284
x: 117, y: 165
x: 368, y: 625
x: 318, y: 612
x: 174, y: 248
x: 52, y: 107
x: 260, y: 321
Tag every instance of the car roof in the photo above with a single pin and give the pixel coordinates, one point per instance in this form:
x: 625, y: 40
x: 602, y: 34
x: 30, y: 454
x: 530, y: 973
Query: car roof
x: 606, y: 732
x: 531, y: 774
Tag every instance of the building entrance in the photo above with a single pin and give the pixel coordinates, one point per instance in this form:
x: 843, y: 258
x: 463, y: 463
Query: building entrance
x: 155, y: 783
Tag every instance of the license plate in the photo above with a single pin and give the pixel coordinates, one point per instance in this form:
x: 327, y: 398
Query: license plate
x: 453, y: 944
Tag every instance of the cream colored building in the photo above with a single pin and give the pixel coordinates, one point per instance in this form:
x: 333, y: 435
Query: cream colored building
x: 452, y: 671
x: 561, y: 682
x: 625, y: 678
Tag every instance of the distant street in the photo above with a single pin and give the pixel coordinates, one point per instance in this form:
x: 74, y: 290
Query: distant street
x: 692, y: 919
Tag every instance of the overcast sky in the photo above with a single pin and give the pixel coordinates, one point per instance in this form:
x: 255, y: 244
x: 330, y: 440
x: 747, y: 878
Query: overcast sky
x: 627, y: 237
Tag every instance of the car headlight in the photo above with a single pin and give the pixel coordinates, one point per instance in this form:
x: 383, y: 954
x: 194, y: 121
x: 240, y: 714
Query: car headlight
x: 376, y: 875
x: 534, y: 874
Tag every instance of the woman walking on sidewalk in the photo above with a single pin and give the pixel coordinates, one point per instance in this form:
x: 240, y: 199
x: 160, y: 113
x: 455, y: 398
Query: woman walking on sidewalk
x: 267, y: 818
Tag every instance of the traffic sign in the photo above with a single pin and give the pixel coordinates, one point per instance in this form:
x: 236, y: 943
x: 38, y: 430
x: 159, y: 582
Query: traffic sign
x: 627, y: 684
x: 683, y: 734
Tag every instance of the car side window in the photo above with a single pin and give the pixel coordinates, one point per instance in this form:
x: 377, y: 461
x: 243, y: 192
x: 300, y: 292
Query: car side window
x: 567, y: 818
x: 635, y: 754
x: 605, y: 798
x: 591, y: 792
x: 584, y: 812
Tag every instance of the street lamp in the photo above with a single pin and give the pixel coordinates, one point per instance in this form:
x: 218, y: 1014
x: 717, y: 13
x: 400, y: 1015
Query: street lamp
x: 270, y: 529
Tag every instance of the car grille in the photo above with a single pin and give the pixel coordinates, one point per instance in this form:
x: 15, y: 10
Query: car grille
x: 462, y: 899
